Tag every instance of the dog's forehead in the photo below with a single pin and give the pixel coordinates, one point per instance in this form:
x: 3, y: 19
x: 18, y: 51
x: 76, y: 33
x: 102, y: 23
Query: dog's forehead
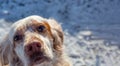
x: 28, y: 21
x: 23, y: 23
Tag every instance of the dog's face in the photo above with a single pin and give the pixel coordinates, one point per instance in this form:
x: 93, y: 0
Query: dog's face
x: 35, y: 40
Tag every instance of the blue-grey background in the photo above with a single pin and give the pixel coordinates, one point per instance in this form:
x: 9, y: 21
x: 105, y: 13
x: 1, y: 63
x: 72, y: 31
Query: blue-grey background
x: 91, y: 27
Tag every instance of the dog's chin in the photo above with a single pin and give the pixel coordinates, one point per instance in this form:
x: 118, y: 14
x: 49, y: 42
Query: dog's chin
x: 39, y: 58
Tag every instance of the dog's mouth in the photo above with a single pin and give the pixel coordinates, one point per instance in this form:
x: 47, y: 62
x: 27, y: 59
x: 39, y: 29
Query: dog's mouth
x: 38, y: 58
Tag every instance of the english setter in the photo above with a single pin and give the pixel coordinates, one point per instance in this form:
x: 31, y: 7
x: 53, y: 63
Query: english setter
x: 33, y: 41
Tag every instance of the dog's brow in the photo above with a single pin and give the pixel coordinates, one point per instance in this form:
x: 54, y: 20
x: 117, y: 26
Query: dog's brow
x: 33, y: 20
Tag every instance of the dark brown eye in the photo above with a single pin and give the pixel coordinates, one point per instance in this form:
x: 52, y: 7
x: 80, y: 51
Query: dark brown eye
x: 41, y: 28
x: 17, y: 37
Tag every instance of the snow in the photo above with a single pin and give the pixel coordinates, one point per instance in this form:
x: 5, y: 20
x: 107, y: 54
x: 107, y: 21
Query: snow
x: 91, y: 27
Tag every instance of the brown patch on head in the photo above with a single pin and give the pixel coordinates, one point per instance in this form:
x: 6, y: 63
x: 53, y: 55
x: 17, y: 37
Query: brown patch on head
x: 47, y: 30
x: 35, y: 25
x: 49, y: 33
x: 19, y: 34
x: 21, y: 29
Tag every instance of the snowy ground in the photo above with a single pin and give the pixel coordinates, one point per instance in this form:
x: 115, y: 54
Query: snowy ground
x: 91, y: 27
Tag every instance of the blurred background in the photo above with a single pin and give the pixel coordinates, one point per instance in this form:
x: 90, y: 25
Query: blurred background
x: 91, y: 27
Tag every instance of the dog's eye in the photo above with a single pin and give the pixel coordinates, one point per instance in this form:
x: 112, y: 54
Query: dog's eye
x: 17, y: 37
x: 41, y: 28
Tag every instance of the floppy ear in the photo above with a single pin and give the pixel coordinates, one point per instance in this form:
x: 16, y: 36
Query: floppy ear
x: 57, y: 35
x: 4, y: 51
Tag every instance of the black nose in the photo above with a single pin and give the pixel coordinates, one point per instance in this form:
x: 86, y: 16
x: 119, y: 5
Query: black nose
x: 32, y: 47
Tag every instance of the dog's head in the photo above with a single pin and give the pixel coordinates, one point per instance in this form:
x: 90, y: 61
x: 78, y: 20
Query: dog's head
x: 32, y: 40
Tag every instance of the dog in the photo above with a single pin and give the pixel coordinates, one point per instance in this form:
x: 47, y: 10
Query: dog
x: 34, y: 41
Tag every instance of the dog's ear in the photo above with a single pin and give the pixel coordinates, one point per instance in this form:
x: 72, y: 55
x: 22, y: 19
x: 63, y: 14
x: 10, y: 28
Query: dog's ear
x: 4, y: 51
x: 57, y: 34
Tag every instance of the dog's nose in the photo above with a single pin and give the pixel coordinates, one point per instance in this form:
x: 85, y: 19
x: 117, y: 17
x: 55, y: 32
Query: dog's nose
x: 32, y: 47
